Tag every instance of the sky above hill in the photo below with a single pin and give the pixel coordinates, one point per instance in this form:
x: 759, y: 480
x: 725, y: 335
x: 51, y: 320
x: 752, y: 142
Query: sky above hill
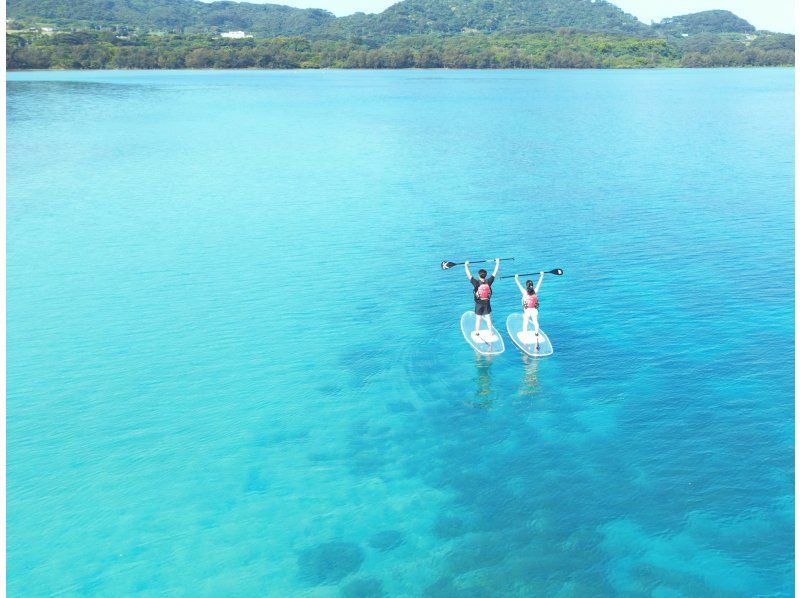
x: 774, y: 15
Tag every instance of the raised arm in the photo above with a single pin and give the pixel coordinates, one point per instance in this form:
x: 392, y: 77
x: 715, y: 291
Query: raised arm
x: 539, y: 283
x: 466, y: 267
x: 519, y: 284
x: 496, y: 266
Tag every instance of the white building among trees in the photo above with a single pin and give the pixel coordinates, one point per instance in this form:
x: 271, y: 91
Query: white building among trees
x: 235, y: 35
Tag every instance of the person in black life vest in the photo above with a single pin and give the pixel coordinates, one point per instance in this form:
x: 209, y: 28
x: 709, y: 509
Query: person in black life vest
x: 482, y: 293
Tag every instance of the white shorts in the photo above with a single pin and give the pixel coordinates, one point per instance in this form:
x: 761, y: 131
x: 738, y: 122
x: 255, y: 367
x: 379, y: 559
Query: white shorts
x: 531, y: 311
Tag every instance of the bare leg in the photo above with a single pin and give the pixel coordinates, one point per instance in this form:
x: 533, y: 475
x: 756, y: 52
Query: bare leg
x: 489, y: 322
x: 535, y: 318
x: 525, y: 315
x: 477, y: 323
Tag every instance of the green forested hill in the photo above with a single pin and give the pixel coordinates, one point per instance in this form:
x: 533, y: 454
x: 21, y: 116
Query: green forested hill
x: 172, y: 15
x: 405, y: 17
x: 411, y: 33
x: 448, y: 16
x: 709, y: 21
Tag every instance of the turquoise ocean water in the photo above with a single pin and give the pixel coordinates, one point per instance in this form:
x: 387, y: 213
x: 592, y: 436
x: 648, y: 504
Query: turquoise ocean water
x: 235, y: 367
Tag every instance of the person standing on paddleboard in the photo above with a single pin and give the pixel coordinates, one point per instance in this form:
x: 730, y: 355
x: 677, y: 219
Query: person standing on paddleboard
x: 482, y: 293
x: 530, y: 303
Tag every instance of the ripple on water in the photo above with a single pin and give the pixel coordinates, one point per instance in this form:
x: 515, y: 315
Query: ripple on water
x: 400, y: 407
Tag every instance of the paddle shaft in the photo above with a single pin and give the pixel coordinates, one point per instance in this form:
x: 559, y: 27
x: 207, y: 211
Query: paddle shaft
x: 557, y: 272
x: 448, y: 265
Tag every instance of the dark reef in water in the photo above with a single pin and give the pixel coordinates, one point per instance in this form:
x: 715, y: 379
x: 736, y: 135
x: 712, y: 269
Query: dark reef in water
x: 329, y: 563
x: 367, y: 587
x: 386, y: 540
x: 447, y: 527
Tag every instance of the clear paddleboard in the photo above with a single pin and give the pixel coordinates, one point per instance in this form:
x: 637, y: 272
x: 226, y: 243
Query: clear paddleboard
x: 528, y: 342
x: 485, y: 341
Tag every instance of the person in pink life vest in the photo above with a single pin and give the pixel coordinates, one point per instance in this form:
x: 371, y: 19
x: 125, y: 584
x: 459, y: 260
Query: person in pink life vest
x: 530, y: 303
x: 482, y: 293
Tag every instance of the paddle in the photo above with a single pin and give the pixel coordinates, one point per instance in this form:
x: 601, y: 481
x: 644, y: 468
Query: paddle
x: 448, y: 265
x: 485, y: 342
x: 557, y: 272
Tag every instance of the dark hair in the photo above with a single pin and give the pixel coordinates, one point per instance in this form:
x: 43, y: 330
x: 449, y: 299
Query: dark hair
x: 529, y: 285
x: 482, y: 273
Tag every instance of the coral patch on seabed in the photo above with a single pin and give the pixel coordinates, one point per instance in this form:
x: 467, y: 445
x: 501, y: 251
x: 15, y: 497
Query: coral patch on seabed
x: 386, y: 540
x: 330, y: 562
x: 447, y: 527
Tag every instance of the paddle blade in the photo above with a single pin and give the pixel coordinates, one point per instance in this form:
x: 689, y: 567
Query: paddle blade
x: 447, y: 265
x: 557, y: 272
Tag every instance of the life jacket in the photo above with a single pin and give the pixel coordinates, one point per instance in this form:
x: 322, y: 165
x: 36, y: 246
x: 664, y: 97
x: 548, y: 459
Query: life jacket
x: 484, y: 292
x: 531, y: 301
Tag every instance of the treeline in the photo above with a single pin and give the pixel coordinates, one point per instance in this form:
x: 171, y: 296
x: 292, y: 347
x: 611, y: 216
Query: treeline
x: 562, y: 49
x: 710, y: 50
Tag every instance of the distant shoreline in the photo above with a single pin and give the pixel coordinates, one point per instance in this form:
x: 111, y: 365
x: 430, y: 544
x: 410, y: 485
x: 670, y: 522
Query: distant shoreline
x: 256, y: 69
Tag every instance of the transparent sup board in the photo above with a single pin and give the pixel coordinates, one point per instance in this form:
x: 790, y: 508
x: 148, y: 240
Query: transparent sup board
x: 527, y: 341
x: 485, y: 342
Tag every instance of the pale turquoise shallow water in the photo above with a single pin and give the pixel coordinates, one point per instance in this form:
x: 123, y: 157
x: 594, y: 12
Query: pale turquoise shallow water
x: 235, y: 368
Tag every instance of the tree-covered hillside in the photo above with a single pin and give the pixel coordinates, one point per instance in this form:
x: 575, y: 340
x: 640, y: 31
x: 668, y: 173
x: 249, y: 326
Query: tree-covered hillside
x: 405, y: 17
x: 709, y: 21
x: 448, y: 16
x: 172, y: 15
x: 411, y: 33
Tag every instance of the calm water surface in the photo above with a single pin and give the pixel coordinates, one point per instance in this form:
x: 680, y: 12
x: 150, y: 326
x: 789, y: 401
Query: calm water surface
x: 235, y: 367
